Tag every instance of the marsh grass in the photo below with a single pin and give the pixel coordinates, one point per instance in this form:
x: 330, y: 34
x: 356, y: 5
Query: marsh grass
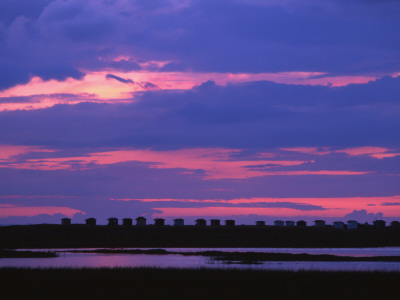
x: 154, y: 283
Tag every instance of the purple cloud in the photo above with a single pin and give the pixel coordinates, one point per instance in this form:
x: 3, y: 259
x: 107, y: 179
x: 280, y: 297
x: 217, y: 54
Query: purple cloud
x: 214, y: 116
x: 59, y: 39
x: 63, y: 39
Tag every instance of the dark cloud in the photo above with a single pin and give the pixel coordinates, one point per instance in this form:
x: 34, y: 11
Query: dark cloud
x: 12, y: 74
x: 363, y: 216
x: 38, y: 98
x: 149, y: 85
x: 16, y: 99
x: 59, y: 72
x: 291, y: 205
x: 39, y: 219
x: 123, y: 80
x: 391, y: 204
x: 185, y: 204
x: 17, y: 73
x: 11, y: 9
x: 124, y: 66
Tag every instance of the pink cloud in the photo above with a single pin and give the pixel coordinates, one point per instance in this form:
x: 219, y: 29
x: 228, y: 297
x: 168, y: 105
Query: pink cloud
x: 318, y: 172
x: 310, y: 150
x: 376, y: 152
x: 9, y: 152
x: 384, y: 155
x: 10, y: 210
x: 363, y: 151
x: 216, y: 163
x: 333, y: 207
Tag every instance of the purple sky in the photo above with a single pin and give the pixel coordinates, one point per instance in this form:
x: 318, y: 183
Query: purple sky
x: 244, y: 109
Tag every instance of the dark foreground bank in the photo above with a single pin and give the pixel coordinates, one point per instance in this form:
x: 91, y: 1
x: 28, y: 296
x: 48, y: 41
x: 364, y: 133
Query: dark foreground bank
x: 5, y: 253
x: 84, y: 236
x: 195, y: 284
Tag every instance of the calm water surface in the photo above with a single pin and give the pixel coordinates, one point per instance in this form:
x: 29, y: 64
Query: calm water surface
x: 79, y: 260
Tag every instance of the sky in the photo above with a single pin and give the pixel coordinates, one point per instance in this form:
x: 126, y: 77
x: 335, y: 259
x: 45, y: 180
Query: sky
x: 231, y: 109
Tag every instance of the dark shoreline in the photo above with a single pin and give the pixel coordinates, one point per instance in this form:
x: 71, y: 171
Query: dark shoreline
x: 226, y: 257
x: 84, y: 236
x: 152, y: 283
x: 6, y: 253
x: 221, y: 256
x: 247, y: 257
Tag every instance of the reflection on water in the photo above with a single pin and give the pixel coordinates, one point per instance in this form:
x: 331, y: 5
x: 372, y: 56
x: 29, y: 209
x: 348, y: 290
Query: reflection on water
x: 79, y: 260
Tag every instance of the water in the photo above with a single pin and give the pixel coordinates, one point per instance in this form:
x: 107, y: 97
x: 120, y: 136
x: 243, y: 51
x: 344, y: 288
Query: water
x: 96, y: 260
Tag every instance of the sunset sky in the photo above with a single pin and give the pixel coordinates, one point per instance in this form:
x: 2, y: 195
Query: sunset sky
x: 243, y: 109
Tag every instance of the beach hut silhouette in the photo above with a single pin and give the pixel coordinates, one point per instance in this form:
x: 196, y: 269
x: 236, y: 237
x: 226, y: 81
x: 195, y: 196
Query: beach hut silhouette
x: 90, y: 221
x: 140, y: 221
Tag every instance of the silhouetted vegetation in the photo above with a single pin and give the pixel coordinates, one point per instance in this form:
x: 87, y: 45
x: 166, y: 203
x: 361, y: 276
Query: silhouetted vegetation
x: 83, y: 236
x: 254, y: 257
x: 150, y: 283
x: 5, y: 253
x: 245, y: 257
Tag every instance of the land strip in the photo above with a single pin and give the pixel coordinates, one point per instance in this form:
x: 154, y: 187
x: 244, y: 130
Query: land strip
x: 150, y: 283
x: 84, y: 236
